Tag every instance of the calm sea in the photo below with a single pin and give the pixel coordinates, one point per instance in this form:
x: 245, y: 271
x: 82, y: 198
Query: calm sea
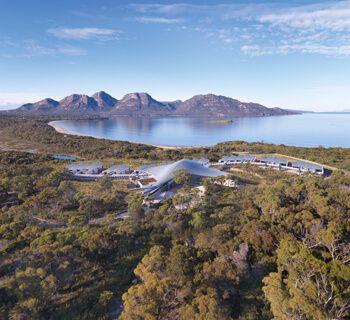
x: 308, y: 130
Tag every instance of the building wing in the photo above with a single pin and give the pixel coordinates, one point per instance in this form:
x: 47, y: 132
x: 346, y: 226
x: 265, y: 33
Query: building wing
x: 307, y: 166
x: 84, y: 167
x: 117, y: 169
x: 166, y: 173
x: 274, y: 160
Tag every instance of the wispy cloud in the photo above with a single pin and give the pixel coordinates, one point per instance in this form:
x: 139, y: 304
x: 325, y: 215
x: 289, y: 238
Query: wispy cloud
x: 255, y: 50
x: 94, y: 16
x: 71, y: 51
x: 266, y: 28
x: 331, y: 16
x: 219, y: 11
x: 321, y: 29
x: 160, y: 20
x: 167, y: 9
x: 258, y: 50
x: 258, y: 29
x: 32, y: 48
x: 85, y: 33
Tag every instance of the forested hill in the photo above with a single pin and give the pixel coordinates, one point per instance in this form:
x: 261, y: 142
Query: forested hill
x: 276, y: 248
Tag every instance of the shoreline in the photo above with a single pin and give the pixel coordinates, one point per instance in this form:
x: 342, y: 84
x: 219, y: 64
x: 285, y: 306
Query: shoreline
x: 54, y: 124
x: 59, y: 129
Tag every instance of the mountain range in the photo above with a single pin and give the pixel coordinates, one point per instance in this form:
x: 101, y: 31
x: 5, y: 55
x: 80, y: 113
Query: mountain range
x: 143, y: 104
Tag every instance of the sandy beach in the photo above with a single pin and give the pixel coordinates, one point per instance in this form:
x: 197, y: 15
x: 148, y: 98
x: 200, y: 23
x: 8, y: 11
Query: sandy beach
x: 59, y: 129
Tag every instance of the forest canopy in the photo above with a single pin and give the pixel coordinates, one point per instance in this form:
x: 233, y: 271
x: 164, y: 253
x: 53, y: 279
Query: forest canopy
x: 276, y: 248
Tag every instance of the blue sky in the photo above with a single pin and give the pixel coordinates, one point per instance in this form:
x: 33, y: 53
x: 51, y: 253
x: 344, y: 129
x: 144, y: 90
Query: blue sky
x: 293, y: 54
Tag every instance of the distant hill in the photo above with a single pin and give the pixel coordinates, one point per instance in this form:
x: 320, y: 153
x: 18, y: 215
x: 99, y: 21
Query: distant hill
x: 140, y: 103
x: 105, y: 102
x: 213, y: 105
x: 46, y: 105
x: 76, y: 103
x: 173, y: 104
x: 135, y: 104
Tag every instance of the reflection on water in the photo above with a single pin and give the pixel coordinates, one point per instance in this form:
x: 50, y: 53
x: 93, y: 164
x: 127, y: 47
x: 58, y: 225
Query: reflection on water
x: 301, y: 130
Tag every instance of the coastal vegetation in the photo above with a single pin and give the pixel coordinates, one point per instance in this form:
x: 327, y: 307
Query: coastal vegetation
x: 276, y: 248
x: 214, y: 198
x: 36, y: 135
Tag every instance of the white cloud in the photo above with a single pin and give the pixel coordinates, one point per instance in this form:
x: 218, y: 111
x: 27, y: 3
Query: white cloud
x: 222, y: 11
x: 35, y: 49
x: 71, y: 51
x: 265, y: 28
x: 227, y: 40
x: 257, y: 50
x: 310, y: 29
x: 317, y: 48
x: 85, y: 33
x: 160, y: 20
x: 331, y: 16
x: 32, y: 48
x: 168, y: 9
x: 321, y: 29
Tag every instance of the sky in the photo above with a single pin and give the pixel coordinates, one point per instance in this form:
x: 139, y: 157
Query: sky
x: 289, y: 54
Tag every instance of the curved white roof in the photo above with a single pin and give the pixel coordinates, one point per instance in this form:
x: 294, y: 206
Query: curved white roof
x: 165, y: 173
